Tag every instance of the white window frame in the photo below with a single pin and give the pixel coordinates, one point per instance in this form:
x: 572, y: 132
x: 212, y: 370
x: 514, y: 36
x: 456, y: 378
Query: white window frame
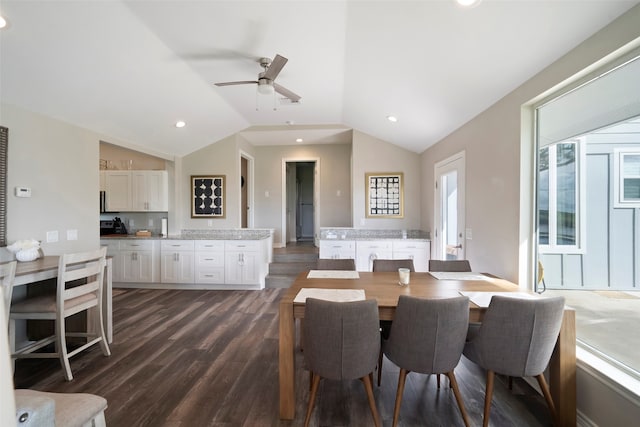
x: 581, y: 206
x: 619, y: 177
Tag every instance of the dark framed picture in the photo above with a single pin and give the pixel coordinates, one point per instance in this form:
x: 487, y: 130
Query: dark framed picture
x: 208, y: 196
x: 384, y: 195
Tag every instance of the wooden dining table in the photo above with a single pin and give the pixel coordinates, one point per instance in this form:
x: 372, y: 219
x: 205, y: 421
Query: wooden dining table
x: 384, y: 288
x: 45, y: 268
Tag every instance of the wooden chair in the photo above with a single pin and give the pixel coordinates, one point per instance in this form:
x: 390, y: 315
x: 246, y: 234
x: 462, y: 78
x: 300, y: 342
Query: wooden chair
x: 341, y: 341
x: 519, y: 347
x: 336, y: 264
x: 7, y: 274
x: 461, y: 265
x: 392, y: 264
x: 79, y: 288
x: 428, y: 336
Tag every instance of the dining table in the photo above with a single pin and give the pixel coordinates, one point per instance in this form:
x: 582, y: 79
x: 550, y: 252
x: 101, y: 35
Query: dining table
x: 385, y: 289
x: 46, y: 267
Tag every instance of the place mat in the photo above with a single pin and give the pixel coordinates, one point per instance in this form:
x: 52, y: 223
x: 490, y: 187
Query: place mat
x: 338, y: 295
x: 482, y: 299
x: 333, y: 274
x: 458, y: 275
x: 616, y: 294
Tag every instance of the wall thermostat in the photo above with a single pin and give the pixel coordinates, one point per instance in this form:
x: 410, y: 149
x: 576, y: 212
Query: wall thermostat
x: 23, y: 192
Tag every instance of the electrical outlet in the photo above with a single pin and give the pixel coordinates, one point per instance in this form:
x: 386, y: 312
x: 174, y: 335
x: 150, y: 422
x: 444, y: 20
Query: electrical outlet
x: 52, y: 236
x: 72, y: 234
x: 150, y: 222
x: 131, y: 223
x: 210, y: 223
x: 468, y: 234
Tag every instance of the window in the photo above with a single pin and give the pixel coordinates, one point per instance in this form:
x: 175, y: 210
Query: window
x: 627, y: 183
x: 560, y: 186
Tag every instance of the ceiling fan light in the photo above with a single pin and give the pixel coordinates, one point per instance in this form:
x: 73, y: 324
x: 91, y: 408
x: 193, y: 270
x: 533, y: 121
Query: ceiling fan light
x: 265, y: 89
x: 468, y: 3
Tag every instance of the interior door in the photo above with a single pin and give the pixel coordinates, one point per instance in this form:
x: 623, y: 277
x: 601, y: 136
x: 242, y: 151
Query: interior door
x: 449, y: 208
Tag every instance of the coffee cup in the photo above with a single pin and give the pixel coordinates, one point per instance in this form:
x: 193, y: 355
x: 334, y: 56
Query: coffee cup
x: 404, y: 276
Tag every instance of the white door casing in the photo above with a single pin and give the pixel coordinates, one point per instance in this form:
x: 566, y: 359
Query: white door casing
x: 449, y: 215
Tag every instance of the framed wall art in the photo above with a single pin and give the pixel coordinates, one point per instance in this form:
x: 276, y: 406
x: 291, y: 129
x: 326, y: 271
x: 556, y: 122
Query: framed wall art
x: 384, y: 192
x: 208, y: 196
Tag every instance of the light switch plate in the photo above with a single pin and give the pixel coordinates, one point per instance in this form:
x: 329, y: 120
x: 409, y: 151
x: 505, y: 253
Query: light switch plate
x: 52, y: 236
x: 468, y: 234
x: 72, y: 234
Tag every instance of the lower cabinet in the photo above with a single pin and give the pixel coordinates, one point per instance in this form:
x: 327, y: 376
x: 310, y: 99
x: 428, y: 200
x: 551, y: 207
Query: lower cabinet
x: 337, y: 249
x: 209, y: 261
x: 177, y: 261
x: 367, y: 251
x: 134, y: 261
x: 418, y: 251
x: 243, y: 263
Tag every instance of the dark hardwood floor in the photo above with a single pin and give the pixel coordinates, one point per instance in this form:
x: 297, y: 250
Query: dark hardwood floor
x: 210, y: 358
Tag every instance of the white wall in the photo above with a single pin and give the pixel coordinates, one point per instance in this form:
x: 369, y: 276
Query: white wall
x: 59, y: 162
x: 493, y: 142
x: 374, y: 155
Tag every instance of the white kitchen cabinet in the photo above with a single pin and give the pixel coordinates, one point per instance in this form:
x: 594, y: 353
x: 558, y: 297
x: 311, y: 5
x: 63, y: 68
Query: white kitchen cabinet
x: 117, y: 185
x: 417, y: 250
x: 137, y: 261
x: 337, y: 249
x: 209, y: 261
x: 367, y: 251
x: 244, y: 263
x: 149, y: 191
x: 177, y: 261
x: 113, y: 250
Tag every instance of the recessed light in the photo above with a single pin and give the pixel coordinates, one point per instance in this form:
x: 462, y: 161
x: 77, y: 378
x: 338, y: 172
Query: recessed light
x: 299, y: 140
x: 180, y: 124
x: 468, y: 3
x: 3, y: 22
x: 392, y: 119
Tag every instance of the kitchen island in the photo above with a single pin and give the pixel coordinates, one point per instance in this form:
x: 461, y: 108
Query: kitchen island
x: 365, y: 245
x: 194, y: 259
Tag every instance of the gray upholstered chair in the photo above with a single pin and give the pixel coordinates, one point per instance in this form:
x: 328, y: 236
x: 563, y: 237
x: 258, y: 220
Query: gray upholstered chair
x: 516, y: 338
x: 39, y: 409
x: 79, y: 289
x: 392, y: 264
x: 461, y: 265
x: 428, y: 336
x: 341, y: 341
x: 336, y: 264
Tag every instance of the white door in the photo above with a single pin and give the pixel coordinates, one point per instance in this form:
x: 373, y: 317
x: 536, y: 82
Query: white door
x: 449, y: 208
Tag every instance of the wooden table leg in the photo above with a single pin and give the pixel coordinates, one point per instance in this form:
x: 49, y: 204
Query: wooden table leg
x: 286, y: 362
x: 562, y: 370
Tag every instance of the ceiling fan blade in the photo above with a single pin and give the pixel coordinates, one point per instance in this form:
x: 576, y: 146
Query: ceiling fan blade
x: 286, y: 93
x: 275, y: 67
x: 243, y: 82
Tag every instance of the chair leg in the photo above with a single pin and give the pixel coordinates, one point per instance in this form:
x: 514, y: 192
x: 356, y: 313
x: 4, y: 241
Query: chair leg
x: 487, y: 398
x: 61, y: 343
x: 456, y: 392
x: 438, y: 379
x: 12, y: 343
x: 510, y: 383
x: 368, y: 386
x: 401, y: 381
x: 315, y: 380
x: 380, y: 359
x: 547, y: 395
x: 99, y: 421
x: 103, y: 344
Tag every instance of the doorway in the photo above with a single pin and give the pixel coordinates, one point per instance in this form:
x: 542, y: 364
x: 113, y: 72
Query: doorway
x: 246, y: 190
x: 449, y: 208
x: 300, y: 201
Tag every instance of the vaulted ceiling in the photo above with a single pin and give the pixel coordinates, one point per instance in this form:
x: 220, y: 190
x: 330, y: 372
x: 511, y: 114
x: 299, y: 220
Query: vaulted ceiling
x: 131, y: 69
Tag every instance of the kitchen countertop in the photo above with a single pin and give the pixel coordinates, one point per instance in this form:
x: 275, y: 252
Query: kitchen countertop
x: 360, y: 234
x: 244, y: 234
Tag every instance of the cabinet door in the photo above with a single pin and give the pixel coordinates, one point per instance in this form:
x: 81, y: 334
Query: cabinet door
x: 130, y: 268
x: 145, y: 267
x: 149, y: 191
x: 177, y: 267
x: 139, y: 199
x: 366, y: 252
x: 117, y: 186
x: 241, y: 268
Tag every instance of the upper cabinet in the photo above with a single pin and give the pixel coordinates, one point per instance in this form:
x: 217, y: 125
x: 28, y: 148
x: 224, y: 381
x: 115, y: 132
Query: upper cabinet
x: 149, y: 191
x: 136, y: 191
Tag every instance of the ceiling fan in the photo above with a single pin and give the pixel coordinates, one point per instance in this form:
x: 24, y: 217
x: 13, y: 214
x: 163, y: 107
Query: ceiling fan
x: 266, y: 79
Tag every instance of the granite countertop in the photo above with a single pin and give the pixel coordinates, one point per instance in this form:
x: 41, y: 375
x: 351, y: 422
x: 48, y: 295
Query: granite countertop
x: 243, y: 234
x: 344, y: 233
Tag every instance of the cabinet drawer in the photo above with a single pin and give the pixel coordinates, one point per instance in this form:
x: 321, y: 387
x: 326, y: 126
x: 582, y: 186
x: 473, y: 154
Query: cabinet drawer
x: 112, y: 245
x: 242, y: 245
x: 210, y: 275
x: 136, y: 245
x: 209, y: 245
x: 409, y: 245
x: 209, y: 259
x: 337, y: 245
x: 376, y: 245
x: 177, y: 245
